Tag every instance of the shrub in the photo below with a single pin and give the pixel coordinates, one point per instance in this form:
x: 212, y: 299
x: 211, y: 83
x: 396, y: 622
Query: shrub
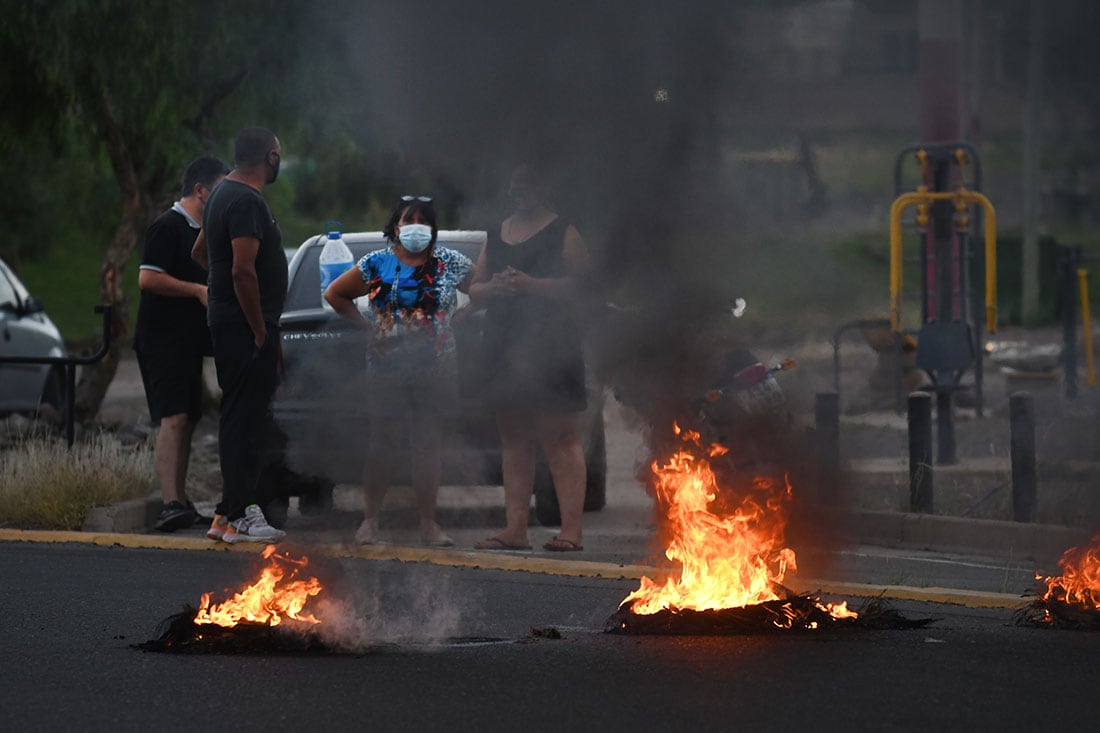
x: 45, y: 485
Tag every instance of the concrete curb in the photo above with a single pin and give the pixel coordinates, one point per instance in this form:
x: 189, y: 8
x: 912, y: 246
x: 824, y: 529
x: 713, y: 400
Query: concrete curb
x: 132, y: 515
x: 987, y: 537
x: 518, y: 562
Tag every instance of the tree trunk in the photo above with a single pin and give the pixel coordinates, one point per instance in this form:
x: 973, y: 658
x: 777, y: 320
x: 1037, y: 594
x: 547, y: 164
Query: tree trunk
x: 137, y: 208
x: 96, y: 378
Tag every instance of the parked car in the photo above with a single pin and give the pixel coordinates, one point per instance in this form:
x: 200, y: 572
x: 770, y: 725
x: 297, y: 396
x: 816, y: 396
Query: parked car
x: 320, y: 404
x: 26, y: 330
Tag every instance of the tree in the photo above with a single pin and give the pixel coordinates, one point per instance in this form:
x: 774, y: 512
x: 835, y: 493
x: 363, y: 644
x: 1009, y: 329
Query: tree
x: 148, y: 86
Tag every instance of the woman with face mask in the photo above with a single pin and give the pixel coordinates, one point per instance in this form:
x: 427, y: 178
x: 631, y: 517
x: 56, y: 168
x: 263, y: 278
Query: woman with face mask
x: 526, y: 278
x: 412, y: 376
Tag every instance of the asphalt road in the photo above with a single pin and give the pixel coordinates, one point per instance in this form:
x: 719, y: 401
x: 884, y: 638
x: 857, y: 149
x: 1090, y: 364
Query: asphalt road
x: 451, y: 649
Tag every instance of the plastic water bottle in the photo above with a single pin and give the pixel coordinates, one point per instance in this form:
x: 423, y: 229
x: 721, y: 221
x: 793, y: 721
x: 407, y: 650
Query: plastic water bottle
x: 335, y: 259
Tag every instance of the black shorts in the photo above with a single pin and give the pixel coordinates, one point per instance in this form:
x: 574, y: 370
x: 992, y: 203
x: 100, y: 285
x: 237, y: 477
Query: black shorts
x: 173, y: 382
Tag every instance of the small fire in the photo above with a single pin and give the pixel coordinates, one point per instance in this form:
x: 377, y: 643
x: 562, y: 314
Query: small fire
x: 727, y: 546
x: 1079, y: 583
x: 278, y: 594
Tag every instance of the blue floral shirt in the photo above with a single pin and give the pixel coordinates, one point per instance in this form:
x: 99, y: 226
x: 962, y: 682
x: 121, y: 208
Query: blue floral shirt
x: 414, y: 301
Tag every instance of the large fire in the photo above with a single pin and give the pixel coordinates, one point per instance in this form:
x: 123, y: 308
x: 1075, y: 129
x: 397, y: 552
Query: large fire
x: 726, y: 543
x: 1079, y: 584
x: 278, y: 594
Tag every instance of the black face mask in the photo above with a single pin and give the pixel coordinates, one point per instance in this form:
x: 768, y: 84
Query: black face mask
x: 273, y: 170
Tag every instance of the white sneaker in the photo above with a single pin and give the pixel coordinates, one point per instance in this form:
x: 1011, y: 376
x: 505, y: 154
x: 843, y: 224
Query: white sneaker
x: 368, y: 533
x: 252, y: 527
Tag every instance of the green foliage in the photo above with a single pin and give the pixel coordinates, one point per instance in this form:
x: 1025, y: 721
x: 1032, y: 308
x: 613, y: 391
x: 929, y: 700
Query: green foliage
x: 156, y: 83
x: 65, y: 278
x: 108, y: 102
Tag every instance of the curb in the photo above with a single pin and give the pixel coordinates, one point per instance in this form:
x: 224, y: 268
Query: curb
x: 516, y: 563
x: 930, y: 532
x: 987, y: 537
x: 132, y: 515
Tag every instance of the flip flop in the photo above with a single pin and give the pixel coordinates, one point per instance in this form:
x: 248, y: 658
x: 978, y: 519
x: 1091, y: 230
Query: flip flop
x: 496, y: 543
x: 557, y: 544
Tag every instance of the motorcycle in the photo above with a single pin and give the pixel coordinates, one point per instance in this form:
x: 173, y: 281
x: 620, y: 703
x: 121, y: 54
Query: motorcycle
x: 729, y: 396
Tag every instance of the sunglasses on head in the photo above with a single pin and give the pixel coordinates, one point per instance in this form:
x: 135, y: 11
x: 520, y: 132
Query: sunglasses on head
x: 424, y: 199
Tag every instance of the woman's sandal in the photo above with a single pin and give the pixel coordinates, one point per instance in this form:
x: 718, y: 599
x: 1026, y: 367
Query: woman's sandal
x: 557, y: 544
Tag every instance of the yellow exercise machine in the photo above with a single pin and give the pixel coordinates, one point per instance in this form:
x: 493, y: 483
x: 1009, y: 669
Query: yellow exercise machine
x: 950, y: 212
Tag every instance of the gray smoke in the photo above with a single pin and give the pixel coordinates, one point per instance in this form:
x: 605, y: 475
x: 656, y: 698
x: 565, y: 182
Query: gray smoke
x: 682, y: 141
x: 424, y: 610
x: 620, y: 105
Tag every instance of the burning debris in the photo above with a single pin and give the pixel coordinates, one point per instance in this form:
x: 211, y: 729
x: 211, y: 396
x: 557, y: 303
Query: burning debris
x: 791, y: 613
x: 1070, y: 600
x: 268, y: 616
x: 728, y: 558
x: 182, y: 635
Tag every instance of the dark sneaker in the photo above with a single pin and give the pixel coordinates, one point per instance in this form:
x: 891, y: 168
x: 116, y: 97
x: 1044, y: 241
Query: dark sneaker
x: 174, y: 515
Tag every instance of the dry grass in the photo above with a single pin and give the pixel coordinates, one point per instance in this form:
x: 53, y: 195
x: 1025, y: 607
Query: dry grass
x: 45, y: 485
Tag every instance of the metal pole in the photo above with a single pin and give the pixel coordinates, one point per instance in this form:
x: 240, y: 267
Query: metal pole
x: 899, y: 371
x: 1068, y: 300
x: 1086, y: 322
x: 827, y: 428
x: 70, y: 363
x: 836, y: 364
x: 1022, y: 421
x: 920, y: 452
x: 70, y: 403
x: 945, y: 430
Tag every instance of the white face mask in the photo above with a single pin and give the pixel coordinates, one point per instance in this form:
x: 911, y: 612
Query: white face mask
x: 415, y: 237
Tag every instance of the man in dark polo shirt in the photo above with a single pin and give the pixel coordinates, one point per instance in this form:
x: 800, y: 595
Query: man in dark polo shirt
x: 241, y: 247
x: 171, y: 337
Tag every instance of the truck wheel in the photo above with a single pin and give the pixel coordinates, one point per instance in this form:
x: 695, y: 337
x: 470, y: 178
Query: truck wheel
x: 316, y: 499
x: 275, y: 511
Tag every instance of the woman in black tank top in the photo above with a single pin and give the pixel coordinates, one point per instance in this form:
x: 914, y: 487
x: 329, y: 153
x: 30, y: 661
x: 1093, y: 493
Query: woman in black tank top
x: 526, y: 279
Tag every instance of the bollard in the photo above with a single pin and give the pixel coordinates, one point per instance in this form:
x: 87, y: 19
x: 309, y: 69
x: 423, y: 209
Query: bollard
x: 1067, y: 302
x: 920, y: 452
x: 1022, y: 424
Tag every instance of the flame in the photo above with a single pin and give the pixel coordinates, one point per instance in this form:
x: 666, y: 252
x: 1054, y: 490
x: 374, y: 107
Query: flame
x: 276, y: 595
x: 1079, y: 583
x: 726, y: 544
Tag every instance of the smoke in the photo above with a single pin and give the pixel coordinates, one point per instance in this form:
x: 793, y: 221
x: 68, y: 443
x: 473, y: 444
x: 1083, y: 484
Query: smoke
x: 423, y: 609
x: 625, y: 109
x: 641, y: 115
x: 622, y: 107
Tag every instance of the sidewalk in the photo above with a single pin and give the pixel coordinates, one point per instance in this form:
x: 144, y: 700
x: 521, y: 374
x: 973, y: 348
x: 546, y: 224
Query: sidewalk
x: 882, y: 546
x: 909, y: 556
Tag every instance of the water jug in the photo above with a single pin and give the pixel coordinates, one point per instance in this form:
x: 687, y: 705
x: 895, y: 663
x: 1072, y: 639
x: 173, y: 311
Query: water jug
x: 335, y: 259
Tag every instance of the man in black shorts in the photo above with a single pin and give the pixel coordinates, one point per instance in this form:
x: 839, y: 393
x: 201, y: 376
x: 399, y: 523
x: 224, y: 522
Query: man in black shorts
x: 171, y: 337
x: 241, y: 246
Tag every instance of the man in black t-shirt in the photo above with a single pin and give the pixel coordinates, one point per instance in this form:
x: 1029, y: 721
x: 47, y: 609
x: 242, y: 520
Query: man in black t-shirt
x: 171, y: 337
x: 241, y: 247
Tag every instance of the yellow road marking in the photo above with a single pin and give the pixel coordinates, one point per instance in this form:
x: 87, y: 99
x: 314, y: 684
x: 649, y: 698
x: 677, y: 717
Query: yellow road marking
x: 506, y: 561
